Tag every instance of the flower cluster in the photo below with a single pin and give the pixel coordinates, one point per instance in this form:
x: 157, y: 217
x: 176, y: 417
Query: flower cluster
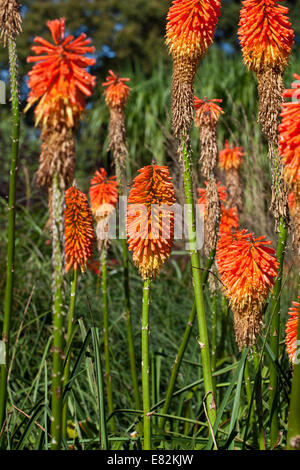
x: 291, y: 331
x: 247, y: 268
x: 265, y: 33
x: 207, y: 111
x: 79, y: 231
x: 230, y: 157
x: 150, y: 226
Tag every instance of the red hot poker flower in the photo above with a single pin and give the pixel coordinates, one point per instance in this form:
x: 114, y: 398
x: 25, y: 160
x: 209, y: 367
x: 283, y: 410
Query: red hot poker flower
x: 229, y: 220
x: 207, y: 111
x: 150, y: 231
x: 79, y: 232
x: 247, y: 268
x: 265, y: 33
x: 59, y: 78
x: 291, y: 331
x: 116, y: 92
x: 191, y: 26
x: 289, y: 136
x: 103, y: 189
x: 230, y: 157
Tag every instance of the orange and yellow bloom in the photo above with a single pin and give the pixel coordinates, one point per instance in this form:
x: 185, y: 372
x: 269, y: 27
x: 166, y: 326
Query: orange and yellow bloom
x: 116, y: 90
x: 247, y: 268
x: 150, y: 227
x: 207, y: 111
x: 230, y: 157
x: 191, y: 26
x: 59, y: 79
x: 265, y: 33
x: 103, y: 190
x: 291, y: 331
x: 79, y: 231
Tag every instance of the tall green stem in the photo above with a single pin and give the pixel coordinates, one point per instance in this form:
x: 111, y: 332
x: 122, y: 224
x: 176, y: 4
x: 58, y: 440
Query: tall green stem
x: 68, y: 340
x: 197, y: 281
x: 146, y: 366
x: 293, y: 436
x: 214, y: 338
x: 58, y: 312
x: 126, y: 285
x: 106, y: 336
x: 13, y: 67
x: 275, y: 335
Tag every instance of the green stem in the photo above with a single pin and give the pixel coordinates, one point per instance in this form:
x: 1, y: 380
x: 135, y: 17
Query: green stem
x: 247, y: 376
x: 259, y: 402
x: 126, y: 285
x: 58, y: 312
x: 107, y: 374
x: 183, y: 345
x: 68, y: 339
x: 197, y: 281
x: 146, y: 366
x: 275, y: 335
x: 13, y: 68
x: 293, y: 435
x: 214, y: 338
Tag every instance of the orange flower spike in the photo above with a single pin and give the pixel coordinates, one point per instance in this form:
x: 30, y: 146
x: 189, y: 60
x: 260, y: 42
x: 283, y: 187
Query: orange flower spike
x: 265, y: 34
x: 191, y: 26
x: 230, y: 157
x: 150, y: 235
x: 291, y: 331
x: 59, y: 79
x: 79, y: 231
x: 248, y: 269
x: 207, y: 111
x: 103, y: 190
x: 229, y: 220
x: 289, y: 136
x: 221, y: 192
x: 116, y: 92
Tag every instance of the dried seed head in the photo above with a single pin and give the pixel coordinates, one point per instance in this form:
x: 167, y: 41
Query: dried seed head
x: 57, y: 156
x: 79, y: 231
x: 213, y: 217
x: 10, y: 19
x: 206, y: 118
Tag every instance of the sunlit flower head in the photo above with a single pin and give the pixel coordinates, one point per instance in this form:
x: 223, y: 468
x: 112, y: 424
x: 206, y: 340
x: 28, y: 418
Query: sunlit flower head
x: 289, y: 132
x: 229, y: 220
x: 59, y: 80
x: 150, y: 226
x: 265, y: 34
x: 207, y: 111
x: 247, y: 268
x: 79, y: 231
x: 291, y: 331
x: 230, y: 157
x: 202, y: 193
x: 116, y: 91
x: 191, y: 26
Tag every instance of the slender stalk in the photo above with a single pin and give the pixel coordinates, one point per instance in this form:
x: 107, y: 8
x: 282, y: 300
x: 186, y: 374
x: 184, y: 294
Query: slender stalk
x: 146, y: 366
x: 107, y: 374
x: 197, y: 281
x: 126, y: 285
x: 275, y: 335
x: 293, y: 436
x: 252, y: 424
x: 68, y: 339
x: 259, y: 402
x: 183, y: 345
x: 13, y: 68
x: 214, y: 338
x: 58, y: 312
